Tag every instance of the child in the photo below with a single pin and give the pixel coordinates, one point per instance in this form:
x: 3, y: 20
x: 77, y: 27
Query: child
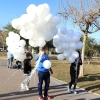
x: 18, y: 64
x: 27, y: 71
x: 43, y: 73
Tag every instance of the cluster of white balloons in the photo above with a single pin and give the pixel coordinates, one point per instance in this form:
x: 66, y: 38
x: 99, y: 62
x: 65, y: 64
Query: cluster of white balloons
x: 38, y: 24
x: 66, y: 43
x: 16, y: 46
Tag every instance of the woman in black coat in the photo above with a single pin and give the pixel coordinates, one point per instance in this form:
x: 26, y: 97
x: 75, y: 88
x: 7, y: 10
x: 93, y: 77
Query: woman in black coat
x: 74, y: 73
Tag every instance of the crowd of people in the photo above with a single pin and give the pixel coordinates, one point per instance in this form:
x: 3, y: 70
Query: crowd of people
x: 43, y: 73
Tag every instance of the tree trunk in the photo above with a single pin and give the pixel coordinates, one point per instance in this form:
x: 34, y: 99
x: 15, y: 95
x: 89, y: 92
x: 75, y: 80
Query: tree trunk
x: 82, y: 55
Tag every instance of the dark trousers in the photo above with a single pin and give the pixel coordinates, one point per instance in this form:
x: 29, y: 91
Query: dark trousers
x: 43, y: 76
x: 9, y: 62
x: 74, y: 76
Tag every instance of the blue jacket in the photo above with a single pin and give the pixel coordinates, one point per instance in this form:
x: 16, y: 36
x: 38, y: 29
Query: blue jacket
x: 40, y: 66
x: 9, y: 55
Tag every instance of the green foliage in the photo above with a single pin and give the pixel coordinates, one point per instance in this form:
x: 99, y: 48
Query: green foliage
x: 90, y: 47
x: 9, y: 28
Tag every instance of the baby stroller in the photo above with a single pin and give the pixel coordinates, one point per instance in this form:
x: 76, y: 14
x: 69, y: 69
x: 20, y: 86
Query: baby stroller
x: 18, y: 64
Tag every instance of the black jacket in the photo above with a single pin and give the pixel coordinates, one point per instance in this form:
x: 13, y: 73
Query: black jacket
x: 27, y: 65
x: 74, y: 69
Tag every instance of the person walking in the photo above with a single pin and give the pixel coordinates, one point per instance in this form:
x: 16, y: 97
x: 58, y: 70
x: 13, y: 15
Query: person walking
x: 43, y: 73
x: 27, y: 71
x: 10, y: 59
x: 74, y: 73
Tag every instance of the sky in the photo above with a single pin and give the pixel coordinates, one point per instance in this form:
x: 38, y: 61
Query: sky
x: 11, y: 9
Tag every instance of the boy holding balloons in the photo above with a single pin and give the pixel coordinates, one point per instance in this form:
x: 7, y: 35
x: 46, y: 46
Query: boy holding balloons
x: 43, y: 69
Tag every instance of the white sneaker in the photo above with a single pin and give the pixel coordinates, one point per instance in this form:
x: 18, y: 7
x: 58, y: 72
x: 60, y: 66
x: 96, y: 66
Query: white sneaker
x: 69, y: 91
x: 74, y: 91
x: 22, y: 87
x: 26, y: 87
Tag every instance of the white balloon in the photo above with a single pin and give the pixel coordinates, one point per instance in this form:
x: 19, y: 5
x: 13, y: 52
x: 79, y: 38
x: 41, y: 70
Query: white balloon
x: 55, y: 37
x: 47, y: 10
x: 24, y: 20
x: 59, y: 33
x: 70, y: 32
x: 30, y: 34
x: 54, y: 32
x: 65, y: 46
x: 79, y: 45
x: 63, y: 30
x: 60, y: 57
x: 21, y: 50
x: 16, y: 23
x: 67, y: 54
x: 49, y: 18
x: 75, y: 54
x: 11, y: 34
x: 31, y: 9
x: 57, y: 20
x: 48, y: 36
x: 41, y: 42
x: 31, y: 26
x: 47, y: 64
x: 14, y: 44
x: 41, y: 26
x: 51, y: 26
x: 71, y: 59
x: 23, y: 33
x: 22, y: 43
x: 56, y: 42
x: 7, y: 39
x: 78, y: 34
x: 32, y: 18
x: 59, y: 49
x: 73, y: 46
x: 16, y: 37
x: 9, y: 48
x: 33, y: 43
x: 41, y: 10
x: 19, y: 57
x: 62, y: 39
x: 9, y: 42
x: 68, y: 39
x: 75, y: 38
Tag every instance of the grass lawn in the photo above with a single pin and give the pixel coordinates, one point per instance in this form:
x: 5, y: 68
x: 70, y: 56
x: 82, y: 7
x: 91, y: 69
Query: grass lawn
x: 91, y: 79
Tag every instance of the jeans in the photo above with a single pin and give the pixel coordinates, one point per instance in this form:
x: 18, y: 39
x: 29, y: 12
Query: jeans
x: 27, y: 80
x: 43, y: 76
x: 9, y: 63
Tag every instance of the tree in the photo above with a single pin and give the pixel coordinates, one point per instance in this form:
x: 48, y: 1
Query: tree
x: 2, y: 38
x: 90, y: 48
x: 97, y: 48
x: 85, y: 14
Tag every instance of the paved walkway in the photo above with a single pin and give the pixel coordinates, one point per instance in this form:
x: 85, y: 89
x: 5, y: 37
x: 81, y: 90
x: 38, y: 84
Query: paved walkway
x: 10, y: 80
